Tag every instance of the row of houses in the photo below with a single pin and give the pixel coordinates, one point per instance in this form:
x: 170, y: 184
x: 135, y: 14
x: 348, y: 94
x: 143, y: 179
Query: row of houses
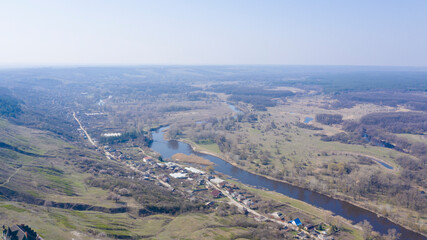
x: 240, y: 195
x: 194, y: 185
x: 309, y: 228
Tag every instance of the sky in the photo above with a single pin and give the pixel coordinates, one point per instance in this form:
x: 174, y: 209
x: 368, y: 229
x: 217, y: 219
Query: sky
x: 299, y: 32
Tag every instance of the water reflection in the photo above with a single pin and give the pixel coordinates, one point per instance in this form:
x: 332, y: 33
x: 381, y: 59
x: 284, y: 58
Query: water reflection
x: 173, y: 144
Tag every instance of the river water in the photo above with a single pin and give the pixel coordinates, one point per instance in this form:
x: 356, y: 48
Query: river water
x: 344, y: 209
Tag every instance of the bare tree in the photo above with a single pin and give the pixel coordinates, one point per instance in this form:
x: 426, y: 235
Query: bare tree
x: 113, y: 196
x: 367, y: 230
x: 392, y: 234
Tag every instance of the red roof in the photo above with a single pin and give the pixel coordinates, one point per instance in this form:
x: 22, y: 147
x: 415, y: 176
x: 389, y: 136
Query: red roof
x: 216, y: 193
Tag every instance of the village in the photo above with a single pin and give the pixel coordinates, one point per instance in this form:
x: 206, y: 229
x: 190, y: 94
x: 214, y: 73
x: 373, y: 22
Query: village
x: 199, y: 185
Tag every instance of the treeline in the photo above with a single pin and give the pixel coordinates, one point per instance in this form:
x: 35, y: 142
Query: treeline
x: 198, y: 96
x: 397, y: 122
x: 259, y: 103
x: 329, y: 119
x: 307, y: 126
x: 415, y: 101
x: 224, y: 145
x: 259, y: 97
x: 175, y: 108
x: 155, y: 88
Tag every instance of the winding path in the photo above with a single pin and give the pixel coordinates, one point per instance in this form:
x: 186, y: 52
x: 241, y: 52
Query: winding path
x: 10, y: 177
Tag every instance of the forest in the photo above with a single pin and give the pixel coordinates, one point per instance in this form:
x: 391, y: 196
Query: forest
x: 259, y: 98
x: 414, y: 101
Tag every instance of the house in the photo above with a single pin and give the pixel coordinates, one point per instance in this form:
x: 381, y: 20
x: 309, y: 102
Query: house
x: 302, y: 235
x: 248, y: 195
x: 20, y: 232
x: 240, y: 198
x: 217, y: 180
x: 296, y: 222
x: 216, y: 193
x: 248, y: 202
x: 165, y: 179
x: 170, y: 165
x: 278, y: 215
x: 309, y: 227
x: 201, y: 182
x: 147, y: 159
x: 161, y: 165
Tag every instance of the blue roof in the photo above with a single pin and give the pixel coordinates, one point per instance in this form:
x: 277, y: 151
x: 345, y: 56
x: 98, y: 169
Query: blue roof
x: 297, y: 221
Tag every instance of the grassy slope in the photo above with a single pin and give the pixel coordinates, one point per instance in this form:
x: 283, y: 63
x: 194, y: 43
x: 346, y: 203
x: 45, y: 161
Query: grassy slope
x: 60, y: 224
x: 37, y: 178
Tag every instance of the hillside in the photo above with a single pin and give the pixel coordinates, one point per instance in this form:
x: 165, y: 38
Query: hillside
x: 43, y: 183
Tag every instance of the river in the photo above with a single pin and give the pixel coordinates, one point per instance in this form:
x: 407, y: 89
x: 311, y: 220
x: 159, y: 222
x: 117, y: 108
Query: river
x: 342, y: 208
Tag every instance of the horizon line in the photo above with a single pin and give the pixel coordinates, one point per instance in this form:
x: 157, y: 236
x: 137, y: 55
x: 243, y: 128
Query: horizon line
x: 117, y: 65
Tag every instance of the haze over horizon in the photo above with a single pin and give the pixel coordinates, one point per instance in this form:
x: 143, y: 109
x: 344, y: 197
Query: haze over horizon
x: 363, y: 33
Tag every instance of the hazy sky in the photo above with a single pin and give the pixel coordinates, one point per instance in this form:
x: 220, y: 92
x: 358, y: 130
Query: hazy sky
x: 317, y: 32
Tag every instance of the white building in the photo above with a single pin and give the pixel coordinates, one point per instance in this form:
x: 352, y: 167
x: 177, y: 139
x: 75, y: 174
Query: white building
x: 178, y: 175
x: 217, y: 180
x: 194, y: 170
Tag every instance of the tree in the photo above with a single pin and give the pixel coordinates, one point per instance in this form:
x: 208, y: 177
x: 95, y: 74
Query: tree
x: 367, y: 230
x: 392, y: 234
x: 124, y: 192
x: 113, y: 196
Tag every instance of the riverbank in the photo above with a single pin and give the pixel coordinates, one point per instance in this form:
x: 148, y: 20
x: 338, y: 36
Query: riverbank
x: 193, y: 159
x: 368, y: 207
x: 318, y: 213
